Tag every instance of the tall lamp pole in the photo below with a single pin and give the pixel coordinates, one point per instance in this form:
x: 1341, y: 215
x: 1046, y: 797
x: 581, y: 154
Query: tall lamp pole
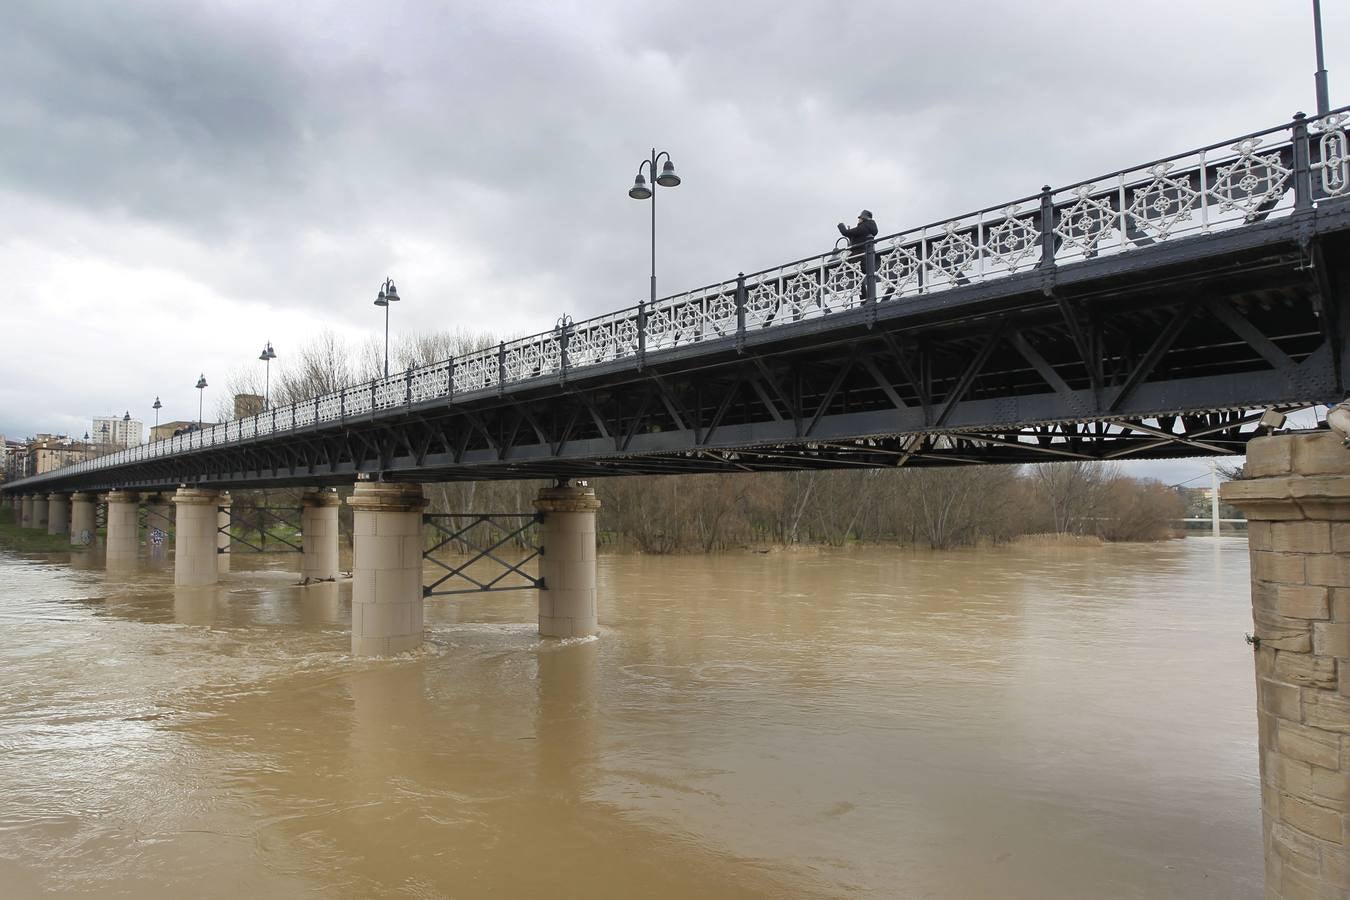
x: 1323, y: 99
x: 640, y: 191
x: 157, y: 406
x: 267, y: 356
x: 388, y: 294
x: 201, y: 395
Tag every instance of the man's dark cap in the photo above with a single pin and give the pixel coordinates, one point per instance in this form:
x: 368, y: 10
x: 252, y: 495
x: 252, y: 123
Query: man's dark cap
x: 865, y: 214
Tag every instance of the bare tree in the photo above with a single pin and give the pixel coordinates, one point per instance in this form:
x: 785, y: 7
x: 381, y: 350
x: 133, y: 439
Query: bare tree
x: 319, y: 367
x: 1072, y: 490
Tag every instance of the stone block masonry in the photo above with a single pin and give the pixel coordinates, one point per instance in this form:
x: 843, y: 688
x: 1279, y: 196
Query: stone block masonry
x: 1298, y: 508
x: 319, y: 530
x: 123, y: 529
x: 196, y: 537
x: 567, y: 604
x: 387, y: 600
x: 83, y: 523
x: 58, y: 514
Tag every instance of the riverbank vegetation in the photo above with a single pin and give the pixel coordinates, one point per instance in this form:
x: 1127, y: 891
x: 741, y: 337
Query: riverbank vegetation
x: 939, y: 508
x: 28, y: 540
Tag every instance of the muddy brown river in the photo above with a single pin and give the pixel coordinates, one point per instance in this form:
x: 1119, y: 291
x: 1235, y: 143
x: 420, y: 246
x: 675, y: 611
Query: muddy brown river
x: 1011, y: 723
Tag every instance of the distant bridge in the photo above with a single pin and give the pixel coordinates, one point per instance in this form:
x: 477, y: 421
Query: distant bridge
x: 1149, y: 312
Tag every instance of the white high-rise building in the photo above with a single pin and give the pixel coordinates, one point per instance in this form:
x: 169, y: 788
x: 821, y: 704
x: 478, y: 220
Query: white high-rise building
x: 116, y: 431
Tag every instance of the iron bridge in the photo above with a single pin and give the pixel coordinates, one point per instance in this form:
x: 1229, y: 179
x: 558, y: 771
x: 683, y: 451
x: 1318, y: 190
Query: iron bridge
x: 1150, y: 312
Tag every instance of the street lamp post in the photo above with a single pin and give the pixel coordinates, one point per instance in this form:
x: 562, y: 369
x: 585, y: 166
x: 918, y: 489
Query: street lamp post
x: 126, y: 429
x: 201, y: 395
x: 388, y: 294
x: 640, y: 191
x: 1323, y: 99
x: 267, y: 356
x: 157, y: 406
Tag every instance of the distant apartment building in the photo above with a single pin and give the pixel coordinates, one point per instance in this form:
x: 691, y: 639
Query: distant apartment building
x: 11, y: 456
x: 43, y: 453
x: 55, y: 452
x: 116, y: 431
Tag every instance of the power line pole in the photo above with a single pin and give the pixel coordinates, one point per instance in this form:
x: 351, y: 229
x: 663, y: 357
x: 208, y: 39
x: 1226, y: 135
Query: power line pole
x: 1214, y: 495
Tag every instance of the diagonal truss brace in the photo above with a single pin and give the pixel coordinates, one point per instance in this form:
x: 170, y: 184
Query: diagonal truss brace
x: 508, y: 527
x: 275, y: 516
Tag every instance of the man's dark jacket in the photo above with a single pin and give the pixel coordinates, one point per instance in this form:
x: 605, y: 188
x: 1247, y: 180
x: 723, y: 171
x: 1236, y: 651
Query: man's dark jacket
x: 859, y: 234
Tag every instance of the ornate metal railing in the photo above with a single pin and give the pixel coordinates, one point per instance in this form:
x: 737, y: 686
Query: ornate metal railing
x: 1226, y: 185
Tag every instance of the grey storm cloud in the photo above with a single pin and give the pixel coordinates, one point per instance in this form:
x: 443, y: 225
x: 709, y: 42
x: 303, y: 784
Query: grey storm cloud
x: 157, y: 111
x: 510, y: 130
x: 297, y: 152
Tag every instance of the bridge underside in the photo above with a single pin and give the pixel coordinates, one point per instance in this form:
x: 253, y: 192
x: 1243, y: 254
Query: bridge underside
x: 1172, y: 351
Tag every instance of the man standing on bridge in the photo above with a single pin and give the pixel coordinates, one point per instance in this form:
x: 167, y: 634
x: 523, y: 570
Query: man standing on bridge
x: 860, y: 234
x: 858, y: 237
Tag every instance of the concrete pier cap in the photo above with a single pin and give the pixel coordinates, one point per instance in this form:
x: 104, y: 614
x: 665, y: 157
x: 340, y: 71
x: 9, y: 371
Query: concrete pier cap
x: 567, y: 601
x: 387, y: 610
x: 1296, y: 495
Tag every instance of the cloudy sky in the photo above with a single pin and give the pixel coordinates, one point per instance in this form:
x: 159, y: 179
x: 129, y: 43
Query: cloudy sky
x: 182, y: 181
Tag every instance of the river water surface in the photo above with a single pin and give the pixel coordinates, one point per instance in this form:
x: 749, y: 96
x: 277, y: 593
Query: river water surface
x: 1009, y: 723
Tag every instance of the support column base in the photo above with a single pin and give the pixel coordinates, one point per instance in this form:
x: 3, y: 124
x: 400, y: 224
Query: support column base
x: 567, y: 602
x: 82, y: 521
x: 123, y: 544
x: 319, y: 537
x: 194, y: 561
x: 386, y: 568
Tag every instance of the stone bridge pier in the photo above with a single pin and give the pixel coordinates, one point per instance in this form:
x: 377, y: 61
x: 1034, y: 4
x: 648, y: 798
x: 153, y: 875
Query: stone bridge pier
x: 26, y: 511
x: 196, y: 541
x: 386, y: 568
x: 567, y: 563
x: 83, y: 522
x: 40, y: 512
x: 58, y: 514
x: 1297, y: 502
x: 123, y: 530
x: 319, y: 536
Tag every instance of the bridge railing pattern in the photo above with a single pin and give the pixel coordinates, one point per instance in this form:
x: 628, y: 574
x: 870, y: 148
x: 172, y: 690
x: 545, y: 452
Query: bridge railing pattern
x: 1226, y: 185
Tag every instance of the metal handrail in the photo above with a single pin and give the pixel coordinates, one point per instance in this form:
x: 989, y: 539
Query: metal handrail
x: 1086, y: 219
